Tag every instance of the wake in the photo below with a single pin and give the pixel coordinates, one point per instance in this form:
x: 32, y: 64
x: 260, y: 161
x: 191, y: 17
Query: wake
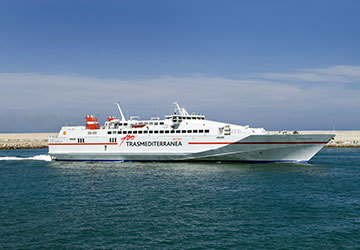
x: 33, y: 158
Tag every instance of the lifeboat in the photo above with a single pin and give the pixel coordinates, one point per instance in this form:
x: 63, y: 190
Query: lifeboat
x: 137, y: 125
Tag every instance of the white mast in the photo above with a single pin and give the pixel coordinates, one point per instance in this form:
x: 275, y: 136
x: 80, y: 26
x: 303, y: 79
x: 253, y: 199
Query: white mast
x: 181, y: 110
x: 121, y: 113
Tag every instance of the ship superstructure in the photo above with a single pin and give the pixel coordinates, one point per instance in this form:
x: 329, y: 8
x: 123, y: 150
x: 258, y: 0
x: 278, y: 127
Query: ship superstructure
x: 181, y: 136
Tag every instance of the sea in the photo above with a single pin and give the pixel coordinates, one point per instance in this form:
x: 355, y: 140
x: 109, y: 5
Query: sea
x: 123, y: 205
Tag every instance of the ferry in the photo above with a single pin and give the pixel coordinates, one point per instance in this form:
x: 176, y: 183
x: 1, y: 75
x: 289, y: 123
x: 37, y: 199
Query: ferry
x: 181, y: 136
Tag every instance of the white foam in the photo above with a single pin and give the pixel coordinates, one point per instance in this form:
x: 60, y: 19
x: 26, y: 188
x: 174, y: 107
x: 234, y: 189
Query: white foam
x: 33, y: 158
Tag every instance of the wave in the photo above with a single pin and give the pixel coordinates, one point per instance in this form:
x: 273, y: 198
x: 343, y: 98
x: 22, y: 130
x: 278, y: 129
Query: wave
x: 33, y: 158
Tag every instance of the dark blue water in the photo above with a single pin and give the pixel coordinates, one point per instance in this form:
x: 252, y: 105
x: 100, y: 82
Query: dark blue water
x: 160, y: 205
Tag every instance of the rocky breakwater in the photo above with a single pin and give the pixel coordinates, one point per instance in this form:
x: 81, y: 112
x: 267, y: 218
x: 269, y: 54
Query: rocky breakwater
x: 24, y: 140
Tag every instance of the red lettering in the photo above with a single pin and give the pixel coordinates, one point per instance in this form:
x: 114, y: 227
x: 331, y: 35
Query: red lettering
x: 127, y: 138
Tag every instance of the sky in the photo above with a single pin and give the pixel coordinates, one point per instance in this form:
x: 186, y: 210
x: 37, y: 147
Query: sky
x: 292, y: 65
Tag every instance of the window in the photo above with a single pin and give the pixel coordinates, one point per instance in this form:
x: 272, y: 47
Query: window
x: 125, y: 124
x: 129, y: 132
x: 189, y: 118
x: 114, y: 132
x: 109, y: 132
x: 161, y: 123
x: 156, y: 131
x: 189, y: 131
x: 119, y: 132
x: 172, y: 131
x: 207, y: 131
x: 195, y: 131
x: 145, y: 132
x: 201, y: 131
x: 112, y: 140
x: 156, y: 123
x: 134, y: 132
x: 161, y: 131
x: 150, y: 131
x: 183, y: 131
x: 140, y: 132
x: 178, y: 131
x: 167, y: 131
x: 146, y: 123
x: 81, y: 140
x: 151, y: 123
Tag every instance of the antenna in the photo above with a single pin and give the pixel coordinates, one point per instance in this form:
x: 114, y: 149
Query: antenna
x: 121, y: 113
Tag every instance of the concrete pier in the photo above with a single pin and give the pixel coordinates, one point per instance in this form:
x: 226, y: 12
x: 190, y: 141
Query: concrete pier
x: 40, y: 140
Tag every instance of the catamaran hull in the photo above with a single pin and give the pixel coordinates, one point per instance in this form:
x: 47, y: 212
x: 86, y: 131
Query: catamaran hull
x: 253, y: 148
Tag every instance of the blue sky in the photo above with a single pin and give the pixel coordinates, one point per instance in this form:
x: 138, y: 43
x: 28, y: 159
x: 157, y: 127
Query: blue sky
x: 273, y: 64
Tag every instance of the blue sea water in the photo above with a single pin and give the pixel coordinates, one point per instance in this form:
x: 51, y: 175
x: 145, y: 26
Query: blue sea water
x: 51, y: 205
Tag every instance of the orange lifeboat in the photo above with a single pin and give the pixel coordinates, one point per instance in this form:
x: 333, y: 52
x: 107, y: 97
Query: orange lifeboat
x: 110, y: 118
x: 137, y: 125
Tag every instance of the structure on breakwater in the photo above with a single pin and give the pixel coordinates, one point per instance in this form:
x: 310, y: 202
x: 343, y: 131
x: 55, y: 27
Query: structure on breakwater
x: 40, y: 140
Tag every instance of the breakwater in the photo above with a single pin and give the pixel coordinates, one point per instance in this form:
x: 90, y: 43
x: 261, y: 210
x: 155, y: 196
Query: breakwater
x: 24, y: 140
x: 343, y: 138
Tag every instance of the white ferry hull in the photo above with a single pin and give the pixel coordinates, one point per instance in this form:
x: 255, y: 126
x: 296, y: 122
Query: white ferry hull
x: 252, y: 148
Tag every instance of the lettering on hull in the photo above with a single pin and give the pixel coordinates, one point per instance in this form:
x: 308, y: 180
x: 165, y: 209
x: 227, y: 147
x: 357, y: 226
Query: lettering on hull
x: 154, y: 143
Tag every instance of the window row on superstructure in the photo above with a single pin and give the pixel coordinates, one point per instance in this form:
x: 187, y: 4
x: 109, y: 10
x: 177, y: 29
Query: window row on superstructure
x: 180, y: 118
x: 139, y: 123
x: 160, y: 131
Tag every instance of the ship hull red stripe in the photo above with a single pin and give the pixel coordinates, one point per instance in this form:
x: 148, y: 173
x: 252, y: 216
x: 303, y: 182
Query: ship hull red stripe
x: 290, y: 142
x: 114, y: 143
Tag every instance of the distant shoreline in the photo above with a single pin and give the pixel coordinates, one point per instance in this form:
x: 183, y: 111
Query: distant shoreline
x: 343, y: 139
